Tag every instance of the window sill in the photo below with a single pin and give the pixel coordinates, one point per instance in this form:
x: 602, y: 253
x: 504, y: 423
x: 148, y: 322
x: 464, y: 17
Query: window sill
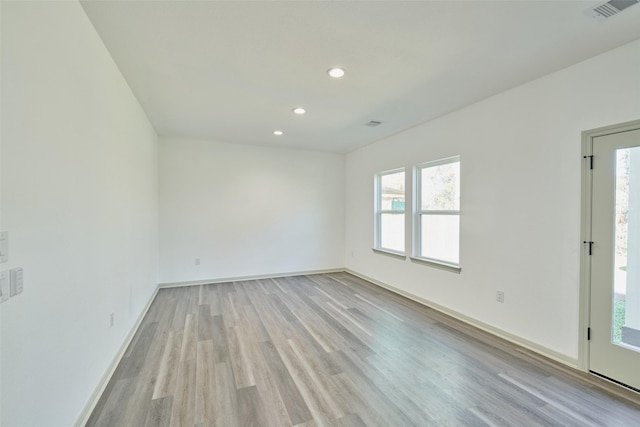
x: 387, y: 252
x: 455, y: 268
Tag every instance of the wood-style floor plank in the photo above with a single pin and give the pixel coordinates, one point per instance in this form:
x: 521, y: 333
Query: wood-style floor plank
x: 160, y: 413
x: 335, y: 350
x: 251, y: 410
x: 226, y: 401
x: 296, y: 407
x: 205, y: 384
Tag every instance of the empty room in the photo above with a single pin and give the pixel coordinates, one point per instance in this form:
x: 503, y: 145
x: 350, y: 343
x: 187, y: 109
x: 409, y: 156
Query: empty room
x: 319, y: 213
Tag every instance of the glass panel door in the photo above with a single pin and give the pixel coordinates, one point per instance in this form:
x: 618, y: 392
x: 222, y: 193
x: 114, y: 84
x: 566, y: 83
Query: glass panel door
x: 614, y: 349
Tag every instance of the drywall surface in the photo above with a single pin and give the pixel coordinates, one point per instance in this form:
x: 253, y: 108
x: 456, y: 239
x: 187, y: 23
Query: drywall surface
x: 79, y: 200
x: 245, y: 211
x: 1, y: 226
x: 520, y: 198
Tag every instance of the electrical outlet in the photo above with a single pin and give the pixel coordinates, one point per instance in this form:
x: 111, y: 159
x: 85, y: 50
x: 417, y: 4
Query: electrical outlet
x: 111, y: 320
x: 16, y: 285
x: 4, y: 286
x: 500, y: 296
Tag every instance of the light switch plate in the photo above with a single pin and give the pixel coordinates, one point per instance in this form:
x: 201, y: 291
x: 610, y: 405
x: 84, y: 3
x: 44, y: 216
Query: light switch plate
x: 4, y: 286
x: 4, y: 246
x: 16, y: 284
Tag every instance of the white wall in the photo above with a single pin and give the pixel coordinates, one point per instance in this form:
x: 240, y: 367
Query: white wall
x: 521, y: 172
x: 248, y: 211
x: 1, y: 226
x: 79, y: 200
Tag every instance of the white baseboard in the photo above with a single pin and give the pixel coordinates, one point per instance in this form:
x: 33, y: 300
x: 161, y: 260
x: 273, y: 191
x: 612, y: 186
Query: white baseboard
x: 544, y: 351
x: 242, y: 278
x: 102, y: 385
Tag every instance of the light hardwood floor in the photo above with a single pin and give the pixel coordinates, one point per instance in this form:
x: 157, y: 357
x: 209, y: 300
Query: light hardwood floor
x: 335, y: 350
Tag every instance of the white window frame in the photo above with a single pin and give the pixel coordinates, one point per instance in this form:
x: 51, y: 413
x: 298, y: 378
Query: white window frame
x: 378, y: 212
x: 419, y: 212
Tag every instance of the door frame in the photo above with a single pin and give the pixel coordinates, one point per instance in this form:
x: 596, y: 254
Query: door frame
x: 585, y: 233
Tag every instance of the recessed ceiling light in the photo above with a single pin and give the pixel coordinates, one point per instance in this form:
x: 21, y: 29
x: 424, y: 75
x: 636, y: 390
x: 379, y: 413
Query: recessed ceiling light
x: 299, y: 110
x: 277, y: 132
x: 335, y: 72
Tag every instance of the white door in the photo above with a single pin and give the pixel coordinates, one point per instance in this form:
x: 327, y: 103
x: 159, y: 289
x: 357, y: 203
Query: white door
x: 614, y: 347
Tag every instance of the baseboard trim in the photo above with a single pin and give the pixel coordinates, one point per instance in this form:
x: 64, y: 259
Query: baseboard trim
x: 242, y: 278
x: 102, y: 385
x: 529, y: 345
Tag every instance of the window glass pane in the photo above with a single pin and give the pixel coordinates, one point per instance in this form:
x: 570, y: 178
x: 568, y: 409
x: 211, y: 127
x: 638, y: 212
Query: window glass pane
x: 626, y: 297
x: 440, y: 187
x: 621, y: 243
x: 392, y: 232
x: 392, y: 191
x: 440, y: 237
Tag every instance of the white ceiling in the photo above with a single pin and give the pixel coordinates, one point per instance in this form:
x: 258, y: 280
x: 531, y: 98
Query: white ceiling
x: 233, y: 70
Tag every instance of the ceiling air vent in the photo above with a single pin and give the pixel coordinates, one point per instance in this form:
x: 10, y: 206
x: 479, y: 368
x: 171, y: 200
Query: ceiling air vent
x: 373, y: 123
x: 606, y: 10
